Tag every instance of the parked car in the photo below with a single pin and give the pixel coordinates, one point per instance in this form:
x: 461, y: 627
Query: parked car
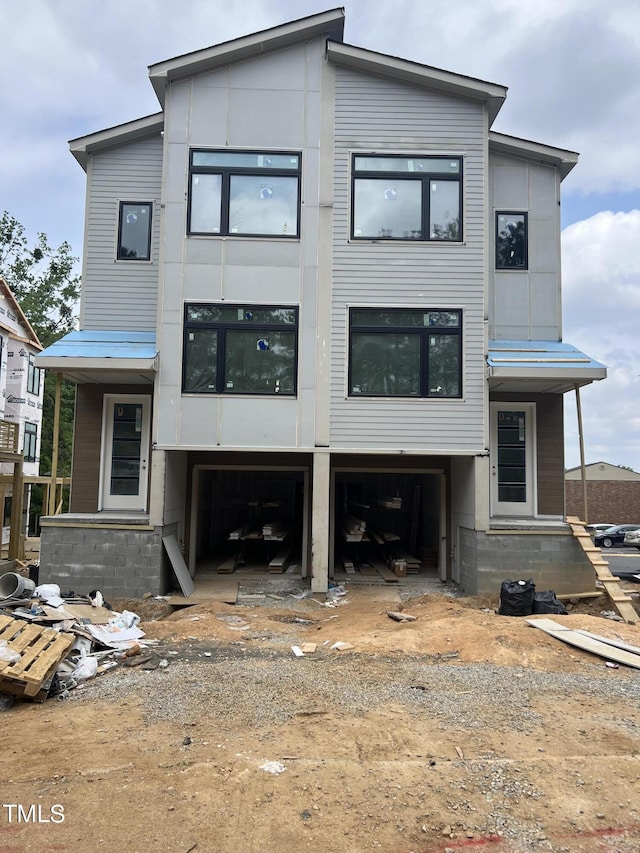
x: 613, y: 535
x: 594, y: 529
x: 632, y: 539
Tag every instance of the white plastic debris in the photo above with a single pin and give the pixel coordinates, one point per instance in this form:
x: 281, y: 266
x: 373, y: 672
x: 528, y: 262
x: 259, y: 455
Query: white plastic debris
x: 7, y: 654
x: 297, y: 651
x: 47, y: 591
x: 275, y: 767
x: 86, y: 668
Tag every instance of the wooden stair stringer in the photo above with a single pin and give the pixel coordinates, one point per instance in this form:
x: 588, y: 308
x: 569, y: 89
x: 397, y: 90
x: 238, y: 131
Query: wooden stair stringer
x: 611, y: 583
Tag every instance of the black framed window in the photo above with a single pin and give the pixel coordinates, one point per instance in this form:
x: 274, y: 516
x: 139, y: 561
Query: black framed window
x: 30, y: 442
x: 240, y: 349
x: 406, y: 198
x: 397, y: 352
x: 244, y: 194
x: 33, y: 376
x: 134, y: 231
x: 511, y: 240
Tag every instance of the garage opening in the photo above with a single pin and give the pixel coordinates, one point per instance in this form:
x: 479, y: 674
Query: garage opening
x: 388, y: 524
x: 253, y: 521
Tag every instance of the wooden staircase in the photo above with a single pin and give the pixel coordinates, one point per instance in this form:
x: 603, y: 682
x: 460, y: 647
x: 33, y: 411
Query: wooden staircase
x: 611, y: 583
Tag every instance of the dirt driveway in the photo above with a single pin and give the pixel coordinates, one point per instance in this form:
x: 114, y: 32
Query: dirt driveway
x: 461, y: 730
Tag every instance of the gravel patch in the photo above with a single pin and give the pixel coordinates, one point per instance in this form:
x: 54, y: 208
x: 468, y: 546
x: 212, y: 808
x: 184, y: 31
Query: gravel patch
x: 259, y: 688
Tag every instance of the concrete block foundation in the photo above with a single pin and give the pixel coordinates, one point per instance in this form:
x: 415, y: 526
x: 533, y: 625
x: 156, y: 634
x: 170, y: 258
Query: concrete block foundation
x: 553, y: 558
x: 121, y: 556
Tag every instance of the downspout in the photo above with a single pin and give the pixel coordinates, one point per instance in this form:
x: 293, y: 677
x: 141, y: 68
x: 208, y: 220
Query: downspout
x: 583, y: 469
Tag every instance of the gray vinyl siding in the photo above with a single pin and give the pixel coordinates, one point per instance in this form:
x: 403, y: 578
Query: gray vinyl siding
x: 121, y: 295
x: 376, y: 114
x: 526, y: 304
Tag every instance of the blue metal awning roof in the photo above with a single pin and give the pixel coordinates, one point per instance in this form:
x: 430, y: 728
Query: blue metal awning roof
x: 552, y: 366
x: 84, y: 356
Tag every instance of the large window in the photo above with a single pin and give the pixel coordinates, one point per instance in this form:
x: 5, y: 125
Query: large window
x: 33, y: 377
x: 134, y: 231
x: 511, y: 241
x: 397, y: 352
x: 246, y: 194
x: 240, y: 349
x: 406, y: 198
x: 30, y: 442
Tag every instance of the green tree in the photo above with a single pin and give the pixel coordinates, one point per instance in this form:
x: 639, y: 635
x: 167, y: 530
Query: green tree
x: 46, y: 286
x: 42, y: 279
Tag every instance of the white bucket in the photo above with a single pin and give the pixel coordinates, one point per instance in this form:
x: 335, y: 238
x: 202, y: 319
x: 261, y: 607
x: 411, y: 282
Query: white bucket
x: 13, y: 585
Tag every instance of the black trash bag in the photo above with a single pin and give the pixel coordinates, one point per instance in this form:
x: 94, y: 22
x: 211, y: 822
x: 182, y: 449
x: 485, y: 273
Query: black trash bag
x: 546, y: 602
x: 516, y: 598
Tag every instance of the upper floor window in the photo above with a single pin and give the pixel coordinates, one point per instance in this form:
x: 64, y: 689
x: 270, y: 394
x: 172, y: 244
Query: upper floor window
x: 247, y: 194
x: 398, y: 352
x: 406, y: 198
x: 134, y: 231
x: 240, y: 349
x: 511, y: 241
x: 30, y: 442
x: 33, y: 377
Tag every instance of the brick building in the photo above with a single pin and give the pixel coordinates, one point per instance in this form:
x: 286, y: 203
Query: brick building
x: 613, y: 493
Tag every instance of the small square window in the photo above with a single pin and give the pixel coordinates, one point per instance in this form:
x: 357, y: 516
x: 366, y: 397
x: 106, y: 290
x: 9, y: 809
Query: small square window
x: 511, y: 241
x: 33, y: 377
x: 134, y: 231
x: 30, y: 442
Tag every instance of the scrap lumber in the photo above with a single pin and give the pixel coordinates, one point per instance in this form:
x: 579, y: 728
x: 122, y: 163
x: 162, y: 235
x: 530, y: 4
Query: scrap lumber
x: 347, y: 562
x: 278, y: 564
x: 386, y: 502
x: 238, y: 533
x: 227, y: 567
x: 620, y: 599
x: 400, y: 617
x: 587, y: 643
x: 41, y: 649
x: 275, y: 531
x: 384, y: 572
x: 353, y: 528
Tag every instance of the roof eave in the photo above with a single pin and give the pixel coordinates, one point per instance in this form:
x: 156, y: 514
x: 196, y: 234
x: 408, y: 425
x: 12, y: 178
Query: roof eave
x: 118, y: 135
x: 493, y: 94
x: 562, y: 158
x: 33, y: 339
x: 329, y: 24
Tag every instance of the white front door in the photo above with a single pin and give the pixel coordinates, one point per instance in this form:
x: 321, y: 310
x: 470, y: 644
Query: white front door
x: 513, y: 473
x: 125, y: 452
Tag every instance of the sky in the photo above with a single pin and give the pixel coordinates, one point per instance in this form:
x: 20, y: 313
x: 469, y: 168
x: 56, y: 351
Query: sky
x: 572, y: 68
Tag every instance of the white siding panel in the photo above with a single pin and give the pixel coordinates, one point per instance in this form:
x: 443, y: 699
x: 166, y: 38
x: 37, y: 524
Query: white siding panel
x: 257, y: 422
x: 376, y: 114
x: 121, y: 295
x: 525, y: 304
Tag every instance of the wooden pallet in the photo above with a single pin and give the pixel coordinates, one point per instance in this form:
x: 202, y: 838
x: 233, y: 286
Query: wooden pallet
x: 611, y: 583
x: 41, y: 650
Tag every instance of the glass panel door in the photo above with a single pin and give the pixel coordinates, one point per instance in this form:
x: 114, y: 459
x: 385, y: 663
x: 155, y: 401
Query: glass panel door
x: 512, y: 470
x: 125, y: 452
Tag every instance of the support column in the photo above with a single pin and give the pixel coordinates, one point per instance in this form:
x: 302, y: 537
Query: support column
x: 16, y: 541
x: 583, y: 469
x: 157, y: 487
x: 55, y: 445
x: 320, y: 521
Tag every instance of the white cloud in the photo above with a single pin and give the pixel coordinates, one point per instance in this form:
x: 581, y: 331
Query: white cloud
x: 573, y: 73
x: 601, y: 284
